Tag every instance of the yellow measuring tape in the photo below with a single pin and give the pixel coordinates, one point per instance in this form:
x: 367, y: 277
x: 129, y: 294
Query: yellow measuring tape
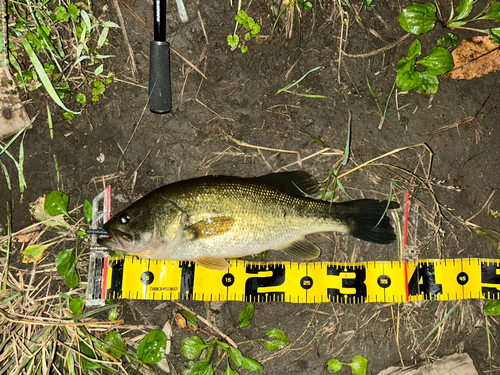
x: 350, y: 283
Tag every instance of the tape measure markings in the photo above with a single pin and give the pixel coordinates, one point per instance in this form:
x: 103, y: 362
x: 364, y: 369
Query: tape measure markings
x: 349, y: 283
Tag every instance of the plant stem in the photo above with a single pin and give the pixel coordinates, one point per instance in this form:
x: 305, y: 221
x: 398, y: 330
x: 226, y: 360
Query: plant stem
x: 9, y: 245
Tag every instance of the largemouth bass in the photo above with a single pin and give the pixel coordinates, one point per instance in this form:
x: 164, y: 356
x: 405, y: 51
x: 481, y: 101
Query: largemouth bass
x: 208, y: 219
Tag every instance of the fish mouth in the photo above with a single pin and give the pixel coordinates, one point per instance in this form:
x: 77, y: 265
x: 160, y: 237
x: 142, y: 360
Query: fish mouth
x: 116, y: 240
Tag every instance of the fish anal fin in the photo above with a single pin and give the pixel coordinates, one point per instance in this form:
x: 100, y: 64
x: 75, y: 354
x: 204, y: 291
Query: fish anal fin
x: 209, y: 227
x: 214, y: 263
x: 302, y: 249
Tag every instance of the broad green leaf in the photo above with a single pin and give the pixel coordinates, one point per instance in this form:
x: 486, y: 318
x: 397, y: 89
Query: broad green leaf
x: 463, y: 9
x: 230, y: 371
x: 43, y: 76
x: 115, y: 344
x: 61, y: 14
x: 76, y: 305
x: 99, y: 70
x: 334, y: 365
x: 152, y: 347
x: 359, y: 365
x: 407, y: 79
x: 439, y: 61
x: 236, y: 356
x: 493, y: 13
x: 244, y: 48
x: 251, y: 364
x: 74, y: 11
x: 34, y: 253
x: 88, y: 364
x: 223, y: 345
x: 367, y: 2
x: 248, y: 37
x: 202, y: 368
x: 65, y: 265
x: 492, y: 308
x: 192, y: 347
x: 87, y: 211
x: 56, y: 203
x: 455, y: 24
x: 68, y: 116
x: 190, y: 318
x: 246, y: 315
x: 255, y: 29
x: 241, y: 17
x: 418, y: 18
x: 281, y: 339
x: 414, y: 51
x: 495, y: 34
x: 233, y: 40
x: 429, y: 84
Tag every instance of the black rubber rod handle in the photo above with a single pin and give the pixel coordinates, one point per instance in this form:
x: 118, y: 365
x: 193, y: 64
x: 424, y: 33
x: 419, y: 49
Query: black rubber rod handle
x: 160, y: 91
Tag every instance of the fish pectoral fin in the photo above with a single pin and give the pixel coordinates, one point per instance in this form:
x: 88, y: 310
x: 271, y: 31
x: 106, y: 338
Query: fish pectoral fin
x: 214, y: 263
x: 302, y: 249
x: 209, y: 227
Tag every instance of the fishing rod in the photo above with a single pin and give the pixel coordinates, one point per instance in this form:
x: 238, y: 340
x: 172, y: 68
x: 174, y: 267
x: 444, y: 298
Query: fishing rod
x: 160, y: 91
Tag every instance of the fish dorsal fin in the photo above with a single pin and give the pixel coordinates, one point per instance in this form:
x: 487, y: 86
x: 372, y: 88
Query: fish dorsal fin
x: 209, y: 227
x: 299, y: 182
x: 302, y: 249
x: 214, y: 263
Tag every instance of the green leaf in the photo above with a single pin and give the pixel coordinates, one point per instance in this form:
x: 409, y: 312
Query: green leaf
x: 455, y: 24
x: 34, y: 253
x: 439, y: 61
x: 244, y: 48
x: 113, y: 314
x: 192, y: 347
x: 248, y: 37
x: 367, y: 2
x: 61, y: 14
x: 407, y: 78
x: 56, y: 203
x: 241, y: 17
x: 223, y: 345
x: 495, y: 34
x: 65, y: 265
x: 73, y: 11
x: 429, y: 84
x: 99, y: 70
x: 280, y: 342
x: 68, y: 116
x: 492, y: 308
x: 202, y: 368
x: 493, y: 13
x: 414, y: 51
x: 87, y: 211
x: 190, y: 318
x: 246, y: 315
x: 152, y: 347
x: 187, y: 367
x: 76, y: 305
x: 334, y: 365
x: 236, y: 356
x: 463, y: 10
x: 359, y: 365
x: 99, y: 88
x: 115, y: 345
x: 230, y: 371
x: 418, y: 18
x: 251, y: 364
x: 233, y: 40
x: 255, y: 29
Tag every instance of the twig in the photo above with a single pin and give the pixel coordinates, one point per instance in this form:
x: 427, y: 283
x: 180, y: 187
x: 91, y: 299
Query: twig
x: 456, y: 124
x: 380, y: 50
x: 209, y: 325
x: 125, y: 37
x: 468, y: 221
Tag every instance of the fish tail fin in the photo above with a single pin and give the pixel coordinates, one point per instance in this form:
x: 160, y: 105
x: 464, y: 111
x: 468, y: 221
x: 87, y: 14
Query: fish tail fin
x: 366, y: 219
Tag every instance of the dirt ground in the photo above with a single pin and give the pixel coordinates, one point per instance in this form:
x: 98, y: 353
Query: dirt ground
x: 119, y: 141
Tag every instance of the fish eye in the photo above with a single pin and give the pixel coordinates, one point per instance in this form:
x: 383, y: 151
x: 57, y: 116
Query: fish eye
x: 124, y: 218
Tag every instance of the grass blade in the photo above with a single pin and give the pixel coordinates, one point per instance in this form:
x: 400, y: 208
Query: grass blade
x: 43, y: 76
x: 296, y: 82
x: 440, y: 323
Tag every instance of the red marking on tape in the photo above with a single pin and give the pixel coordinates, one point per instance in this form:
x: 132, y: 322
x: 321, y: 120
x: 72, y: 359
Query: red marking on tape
x: 407, y: 213
x: 104, y: 278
